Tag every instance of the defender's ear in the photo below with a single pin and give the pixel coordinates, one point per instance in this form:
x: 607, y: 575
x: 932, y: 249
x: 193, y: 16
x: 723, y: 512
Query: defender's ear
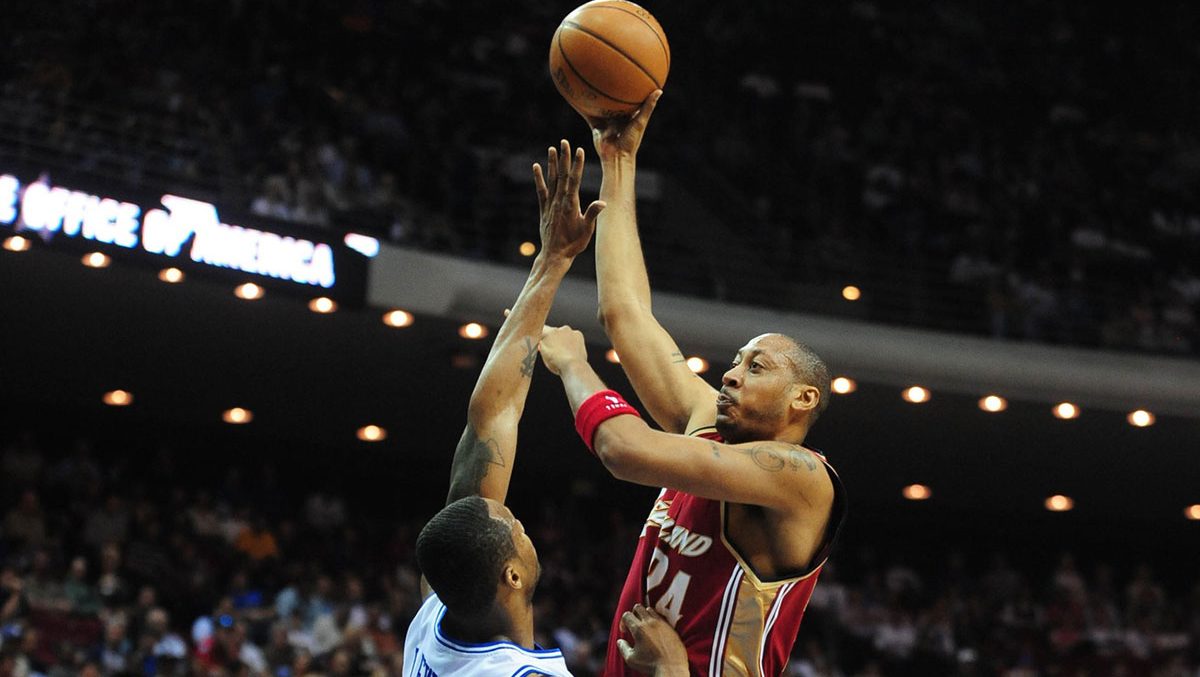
x: 512, y: 578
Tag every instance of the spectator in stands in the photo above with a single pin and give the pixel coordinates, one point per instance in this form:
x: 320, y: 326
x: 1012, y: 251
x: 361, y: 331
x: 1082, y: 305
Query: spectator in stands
x: 24, y: 524
x: 256, y: 541
x: 81, y: 596
x: 110, y: 525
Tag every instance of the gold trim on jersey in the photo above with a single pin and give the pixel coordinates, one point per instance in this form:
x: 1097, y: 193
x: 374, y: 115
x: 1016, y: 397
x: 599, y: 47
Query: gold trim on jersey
x: 751, y: 621
x: 750, y: 574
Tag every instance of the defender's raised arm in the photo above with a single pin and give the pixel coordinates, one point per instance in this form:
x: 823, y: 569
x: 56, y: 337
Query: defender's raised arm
x: 484, y: 458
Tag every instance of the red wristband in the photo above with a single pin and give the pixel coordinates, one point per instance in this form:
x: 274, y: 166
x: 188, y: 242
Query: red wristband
x: 596, y: 410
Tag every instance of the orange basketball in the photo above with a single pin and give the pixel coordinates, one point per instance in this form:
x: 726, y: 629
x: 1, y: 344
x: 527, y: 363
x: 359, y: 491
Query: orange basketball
x: 607, y: 56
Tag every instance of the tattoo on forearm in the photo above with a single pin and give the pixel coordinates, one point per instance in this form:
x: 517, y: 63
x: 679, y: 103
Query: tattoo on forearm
x: 472, y: 460
x: 530, y: 359
x: 677, y: 358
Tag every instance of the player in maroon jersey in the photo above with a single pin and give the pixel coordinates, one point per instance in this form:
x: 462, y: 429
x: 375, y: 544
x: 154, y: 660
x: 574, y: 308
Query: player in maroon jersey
x: 737, y: 538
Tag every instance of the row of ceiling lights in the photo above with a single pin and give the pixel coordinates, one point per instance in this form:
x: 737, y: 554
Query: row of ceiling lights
x: 242, y: 416
x: 375, y: 433
x: 19, y: 243
x: 1055, y: 503
x: 841, y: 385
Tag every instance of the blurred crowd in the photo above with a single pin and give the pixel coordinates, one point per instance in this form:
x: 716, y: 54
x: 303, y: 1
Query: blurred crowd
x: 1022, y: 171
x: 115, y: 564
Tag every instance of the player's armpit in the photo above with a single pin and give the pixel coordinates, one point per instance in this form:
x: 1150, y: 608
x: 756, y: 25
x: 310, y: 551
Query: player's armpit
x: 775, y: 475
x: 676, y: 398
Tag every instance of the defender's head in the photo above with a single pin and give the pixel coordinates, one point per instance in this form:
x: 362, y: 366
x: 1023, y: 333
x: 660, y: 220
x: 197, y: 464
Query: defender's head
x: 775, y: 383
x: 474, y: 553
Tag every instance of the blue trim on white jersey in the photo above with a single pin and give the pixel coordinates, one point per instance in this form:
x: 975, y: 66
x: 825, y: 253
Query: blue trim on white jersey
x: 487, y: 647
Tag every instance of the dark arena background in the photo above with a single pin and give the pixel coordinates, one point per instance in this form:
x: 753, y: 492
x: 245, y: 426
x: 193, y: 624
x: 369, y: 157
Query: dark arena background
x: 973, y: 198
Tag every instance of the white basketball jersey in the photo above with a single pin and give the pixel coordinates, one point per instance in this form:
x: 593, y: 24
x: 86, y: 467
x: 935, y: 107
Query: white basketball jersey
x: 429, y: 653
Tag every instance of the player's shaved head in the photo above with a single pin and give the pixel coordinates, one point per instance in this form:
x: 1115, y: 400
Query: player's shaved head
x: 808, y: 368
x: 462, y: 551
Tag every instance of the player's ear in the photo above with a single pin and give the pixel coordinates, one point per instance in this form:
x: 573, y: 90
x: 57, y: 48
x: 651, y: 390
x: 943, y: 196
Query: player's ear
x: 512, y: 577
x: 805, y: 397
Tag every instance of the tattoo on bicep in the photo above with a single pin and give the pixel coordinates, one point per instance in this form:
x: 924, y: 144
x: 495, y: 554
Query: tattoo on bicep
x: 530, y: 359
x: 715, y: 449
x: 472, y: 460
x: 677, y: 358
x: 800, y: 458
x: 773, y: 459
x: 764, y: 457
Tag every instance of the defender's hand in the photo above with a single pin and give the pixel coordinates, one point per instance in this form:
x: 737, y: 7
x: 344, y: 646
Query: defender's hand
x: 564, y: 230
x: 616, y: 137
x: 656, y: 649
x: 561, y: 346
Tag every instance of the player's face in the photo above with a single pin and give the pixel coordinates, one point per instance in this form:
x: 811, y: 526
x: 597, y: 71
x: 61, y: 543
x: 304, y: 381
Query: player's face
x: 756, y: 391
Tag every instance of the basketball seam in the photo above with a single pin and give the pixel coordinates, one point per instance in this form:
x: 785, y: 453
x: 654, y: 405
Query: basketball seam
x: 584, y: 80
x: 586, y: 31
x: 666, y: 50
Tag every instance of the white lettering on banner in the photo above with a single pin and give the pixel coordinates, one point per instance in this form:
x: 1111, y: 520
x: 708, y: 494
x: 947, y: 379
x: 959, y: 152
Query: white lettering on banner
x: 55, y: 209
x: 10, y: 193
x: 165, y: 232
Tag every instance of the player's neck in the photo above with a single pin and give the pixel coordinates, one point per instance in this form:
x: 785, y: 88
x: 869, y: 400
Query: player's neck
x: 502, y: 624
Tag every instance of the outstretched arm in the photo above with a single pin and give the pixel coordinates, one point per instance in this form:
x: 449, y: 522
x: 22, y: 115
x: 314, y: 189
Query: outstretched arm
x: 678, y: 400
x: 776, y: 475
x: 484, y: 458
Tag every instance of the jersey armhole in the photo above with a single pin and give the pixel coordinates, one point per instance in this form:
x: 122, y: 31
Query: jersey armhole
x: 837, y: 515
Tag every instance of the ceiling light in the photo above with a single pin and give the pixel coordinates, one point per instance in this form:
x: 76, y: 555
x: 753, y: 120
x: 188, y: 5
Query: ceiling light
x: 171, y: 275
x: 237, y: 415
x: 993, y: 403
x: 322, y: 305
x: 1066, y: 411
x: 371, y: 433
x: 1140, y: 418
x: 843, y: 386
x: 248, y: 291
x: 917, y: 492
x: 851, y: 293
x: 16, y: 243
x: 527, y: 249
x: 472, y: 330
x: 915, y: 394
x: 118, y: 398
x: 1059, y: 503
x: 96, y: 260
x: 397, y: 318
x: 612, y: 356
x: 698, y: 365
x: 1192, y: 512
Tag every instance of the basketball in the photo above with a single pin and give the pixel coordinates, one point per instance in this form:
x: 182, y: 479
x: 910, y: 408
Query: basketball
x: 607, y: 56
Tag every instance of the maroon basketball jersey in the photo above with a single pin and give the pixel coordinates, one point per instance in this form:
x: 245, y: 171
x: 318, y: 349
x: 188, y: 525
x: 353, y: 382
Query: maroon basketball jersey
x: 731, y: 621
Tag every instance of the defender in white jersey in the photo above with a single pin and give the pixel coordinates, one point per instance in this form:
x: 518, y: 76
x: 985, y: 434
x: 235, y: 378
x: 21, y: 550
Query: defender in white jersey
x: 429, y: 652
x: 474, y: 554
